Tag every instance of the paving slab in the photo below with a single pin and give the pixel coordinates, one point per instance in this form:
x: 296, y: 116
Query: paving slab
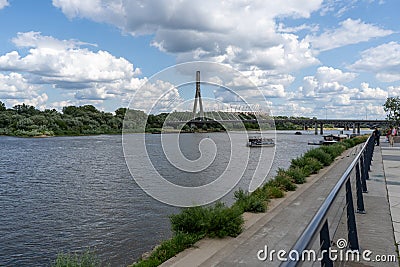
x: 391, y: 162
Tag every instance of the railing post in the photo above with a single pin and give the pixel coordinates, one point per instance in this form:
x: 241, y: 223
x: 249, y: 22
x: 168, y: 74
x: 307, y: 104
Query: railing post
x: 351, y: 219
x: 363, y: 174
x: 325, y: 244
x: 370, y: 152
x: 366, y: 164
x: 359, y: 188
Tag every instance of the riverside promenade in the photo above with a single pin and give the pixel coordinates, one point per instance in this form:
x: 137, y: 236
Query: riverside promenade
x: 285, y: 220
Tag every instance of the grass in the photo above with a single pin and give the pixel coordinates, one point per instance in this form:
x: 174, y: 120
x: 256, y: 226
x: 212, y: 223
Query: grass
x: 194, y: 223
x: 86, y: 259
x: 169, y: 248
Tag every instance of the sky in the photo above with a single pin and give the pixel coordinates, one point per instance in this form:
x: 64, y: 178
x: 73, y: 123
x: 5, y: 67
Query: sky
x: 312, y: 58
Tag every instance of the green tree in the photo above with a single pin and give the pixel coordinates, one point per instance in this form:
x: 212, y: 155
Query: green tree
x: 2, y: 106
x: 392, y: 109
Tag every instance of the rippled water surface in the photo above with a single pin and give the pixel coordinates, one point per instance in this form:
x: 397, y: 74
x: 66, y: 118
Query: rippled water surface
x: 66, y: 194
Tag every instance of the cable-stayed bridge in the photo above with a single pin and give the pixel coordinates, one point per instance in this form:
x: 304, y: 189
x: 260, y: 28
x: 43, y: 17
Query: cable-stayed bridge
x: 246, y: 113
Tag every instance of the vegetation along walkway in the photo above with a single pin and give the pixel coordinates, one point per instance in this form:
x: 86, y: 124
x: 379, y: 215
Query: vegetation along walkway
x: 279, y: 228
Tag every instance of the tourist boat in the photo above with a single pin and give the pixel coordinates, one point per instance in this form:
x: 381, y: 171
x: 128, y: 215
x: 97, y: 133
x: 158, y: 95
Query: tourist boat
x: 256, y: 141
x: 330, y: 139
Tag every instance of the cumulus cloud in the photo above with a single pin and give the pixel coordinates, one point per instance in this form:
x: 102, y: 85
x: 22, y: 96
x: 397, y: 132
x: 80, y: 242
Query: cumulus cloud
x: 350, y: 32
x: 240, y: 33
x: 368, y: 93
x: 15, y: 89
x: 157, y: 96
x: 293, y: 109
x: 394, y: 91
x: 384, y: 60
x: 67, y: 64
x: 3, y: 3
x: 329, y: 75
x: 327, y: 80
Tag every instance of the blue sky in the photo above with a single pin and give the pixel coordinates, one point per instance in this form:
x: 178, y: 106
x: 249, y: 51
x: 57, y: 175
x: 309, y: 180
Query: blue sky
x: 339, y: 59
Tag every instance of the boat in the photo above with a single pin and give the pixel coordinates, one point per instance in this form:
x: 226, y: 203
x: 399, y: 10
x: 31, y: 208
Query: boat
x: 256, y: 141
x: 330, y: 139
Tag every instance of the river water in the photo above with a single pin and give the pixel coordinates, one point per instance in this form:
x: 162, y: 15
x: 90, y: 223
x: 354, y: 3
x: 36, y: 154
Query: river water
x: 67, y: 194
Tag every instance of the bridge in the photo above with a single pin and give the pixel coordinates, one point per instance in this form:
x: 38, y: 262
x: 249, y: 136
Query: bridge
x: 245, y: 113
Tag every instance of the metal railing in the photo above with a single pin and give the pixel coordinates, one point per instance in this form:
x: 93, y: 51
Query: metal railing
x: 319, y: 223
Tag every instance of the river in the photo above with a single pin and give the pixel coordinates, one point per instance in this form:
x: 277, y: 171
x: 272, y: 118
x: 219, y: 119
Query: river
x: 66, y: 194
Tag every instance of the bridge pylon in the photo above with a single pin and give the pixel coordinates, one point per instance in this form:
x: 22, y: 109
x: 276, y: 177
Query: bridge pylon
x: 197, y: 98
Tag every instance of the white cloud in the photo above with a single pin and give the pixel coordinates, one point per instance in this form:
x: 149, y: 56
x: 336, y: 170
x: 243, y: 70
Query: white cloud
x: 15, y: 89
x: 383, y: 60
x: 156, y: 96
x: 240, y: 33
x: 327, y: 80
x: 4, y: 3
x: 368, y: 93
x: 329, y: 75
x: 393, y: 91
x: 292, y: 109
x: 342, y: 100
x: 66, y: 64
x: 350, y: 32
x: 311, y: 28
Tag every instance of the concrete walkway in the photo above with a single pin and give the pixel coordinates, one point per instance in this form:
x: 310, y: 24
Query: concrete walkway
x: 375, y: 227
x: 279, y: 228
x: 391, y: 162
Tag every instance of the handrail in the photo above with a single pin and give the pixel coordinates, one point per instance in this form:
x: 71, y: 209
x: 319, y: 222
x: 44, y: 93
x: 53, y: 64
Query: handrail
x: 319, y: 218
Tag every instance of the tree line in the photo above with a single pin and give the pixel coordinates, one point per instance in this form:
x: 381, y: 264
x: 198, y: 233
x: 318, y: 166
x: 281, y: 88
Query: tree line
x: 26, y: 120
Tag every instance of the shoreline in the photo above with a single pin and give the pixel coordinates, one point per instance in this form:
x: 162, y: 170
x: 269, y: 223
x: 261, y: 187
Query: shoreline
x: 203, y: 245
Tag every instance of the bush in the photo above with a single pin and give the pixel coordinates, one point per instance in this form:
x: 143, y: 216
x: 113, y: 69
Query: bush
x: 217, y: 221
x: 334, y: 150
x: 319, y: 154
x: 349, y: 142
x: 297, y: 174
x: 309, y: 165
x: 87, y: 259
x: 250, y: 202
x: 261, y: 194
x: 274, y: 192
x: 285, y: 183
x: 225, y: 221
x: 313, y: 166
x: 169, y: 248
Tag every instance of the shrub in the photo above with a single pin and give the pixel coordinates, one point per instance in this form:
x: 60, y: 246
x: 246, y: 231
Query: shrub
x: 297, y: 174
x: 349, y: 142
x: 283, y: 181
x: 169, y: 248
x: 274, y: 192
x: 334, y: 150
x: 261, y: 194
x: 300, y: 162
x: 319, y: 154
x: 86, y: 259
x: 225, y: 221
x: 218, y: 220
x: 191, y: 220
x: 313, y: 166
x: 250, y: 202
